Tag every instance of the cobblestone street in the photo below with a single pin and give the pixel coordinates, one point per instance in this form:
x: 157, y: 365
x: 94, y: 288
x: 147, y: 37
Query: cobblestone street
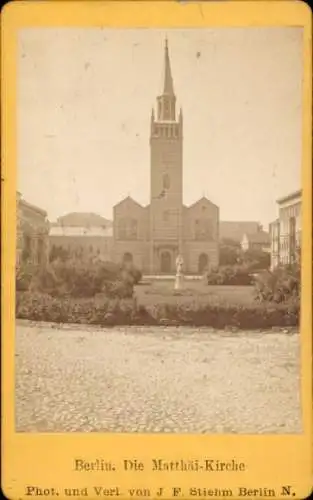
x: 156, y: 380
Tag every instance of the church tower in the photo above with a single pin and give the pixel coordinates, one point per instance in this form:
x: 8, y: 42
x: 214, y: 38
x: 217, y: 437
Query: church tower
x: 166, y: 177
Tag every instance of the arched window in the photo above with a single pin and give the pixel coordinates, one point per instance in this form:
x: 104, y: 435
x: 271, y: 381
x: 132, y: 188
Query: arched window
x: 203, y: 229
x: 127, y: 229
x: 133, y: 229
x: 122, y: 229
x: 166, y: 181
x: 127, y: 258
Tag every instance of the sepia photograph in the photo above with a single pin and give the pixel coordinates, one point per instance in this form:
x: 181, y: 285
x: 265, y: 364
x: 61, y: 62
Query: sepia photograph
x: 158, y: 238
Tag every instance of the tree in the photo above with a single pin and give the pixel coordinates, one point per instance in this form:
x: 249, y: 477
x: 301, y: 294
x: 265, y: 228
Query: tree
x: 229, y: 252
x: 257, y: 259
x: 58, y: 253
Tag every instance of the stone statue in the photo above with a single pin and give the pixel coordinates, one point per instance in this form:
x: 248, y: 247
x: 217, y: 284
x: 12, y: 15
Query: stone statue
x: 179, y: 272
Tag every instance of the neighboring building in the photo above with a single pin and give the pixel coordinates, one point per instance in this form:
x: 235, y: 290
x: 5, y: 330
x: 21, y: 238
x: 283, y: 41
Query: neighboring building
x: 286, y: 230
x: 83, y: 219
x: 85, y: 236
x: 32, y: 245
x: 153, y: 236
x: 256, y: 241
x: 275, y: 243
x: 235, y: 230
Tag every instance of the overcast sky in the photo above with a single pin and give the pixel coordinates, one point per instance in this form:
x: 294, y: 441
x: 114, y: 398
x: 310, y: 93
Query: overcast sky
x: 84, y: 106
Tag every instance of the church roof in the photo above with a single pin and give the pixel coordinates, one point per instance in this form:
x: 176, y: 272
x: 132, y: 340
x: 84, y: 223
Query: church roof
x: 205, y: 200
x: 129, y: 200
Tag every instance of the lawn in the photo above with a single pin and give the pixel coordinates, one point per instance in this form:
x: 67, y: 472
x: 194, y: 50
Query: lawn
x: 158, y: 292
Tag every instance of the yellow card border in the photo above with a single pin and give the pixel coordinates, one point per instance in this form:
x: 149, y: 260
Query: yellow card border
x: 46, y: 460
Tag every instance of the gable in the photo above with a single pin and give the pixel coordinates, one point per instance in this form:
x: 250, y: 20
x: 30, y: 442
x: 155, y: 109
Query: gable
x: 128, y: 206
x: 202, y: 206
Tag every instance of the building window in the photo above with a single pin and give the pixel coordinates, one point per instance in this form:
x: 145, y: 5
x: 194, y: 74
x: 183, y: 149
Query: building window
x: 203, y: 229
x: 122, y: 229
x: 26, y: 254
x: 166, y: 181
x: 127, y: 229
x: 166, y: 110
x: 292, y: 239
x: 127, y: 258
x: 40, y: 251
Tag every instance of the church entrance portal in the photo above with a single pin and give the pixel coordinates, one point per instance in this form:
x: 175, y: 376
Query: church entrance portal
x: 203, y: 263
x: 166, y: 262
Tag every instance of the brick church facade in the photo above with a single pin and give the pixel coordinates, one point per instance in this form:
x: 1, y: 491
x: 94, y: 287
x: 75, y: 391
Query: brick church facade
x: 152, y: 236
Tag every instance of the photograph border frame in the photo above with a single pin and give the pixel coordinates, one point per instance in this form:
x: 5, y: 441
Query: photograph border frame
x: 46, y: 460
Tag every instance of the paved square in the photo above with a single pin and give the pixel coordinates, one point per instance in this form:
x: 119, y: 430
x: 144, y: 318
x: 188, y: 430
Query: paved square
x: 78, y: 378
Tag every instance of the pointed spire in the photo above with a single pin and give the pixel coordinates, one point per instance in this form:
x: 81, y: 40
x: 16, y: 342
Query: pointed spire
x: 168, y: 80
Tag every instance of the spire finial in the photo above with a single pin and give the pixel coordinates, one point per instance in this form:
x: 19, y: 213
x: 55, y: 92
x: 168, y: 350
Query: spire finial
x: 168, y: 80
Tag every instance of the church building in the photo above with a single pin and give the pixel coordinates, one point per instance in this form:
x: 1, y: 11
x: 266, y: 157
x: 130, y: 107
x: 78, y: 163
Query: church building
x: 153, y: 236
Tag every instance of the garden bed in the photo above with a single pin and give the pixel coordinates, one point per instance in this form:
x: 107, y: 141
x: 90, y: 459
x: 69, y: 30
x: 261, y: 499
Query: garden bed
x: 105, y: 312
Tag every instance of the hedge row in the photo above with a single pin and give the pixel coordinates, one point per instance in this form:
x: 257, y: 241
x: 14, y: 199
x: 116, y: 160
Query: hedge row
x: 38, y: 307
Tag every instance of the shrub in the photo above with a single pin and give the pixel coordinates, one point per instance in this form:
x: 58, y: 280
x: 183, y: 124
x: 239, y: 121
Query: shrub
x: 58, y: 253
x: 120, y: 289
x: 135, y: 273
x: 230, y: 275
x: 23, y: 277
x: 229, y: 252
x: 74, y: 278
x: 281, y: 285
x: 256, y: 259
